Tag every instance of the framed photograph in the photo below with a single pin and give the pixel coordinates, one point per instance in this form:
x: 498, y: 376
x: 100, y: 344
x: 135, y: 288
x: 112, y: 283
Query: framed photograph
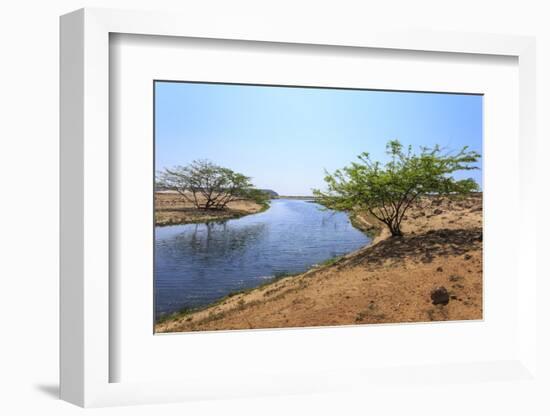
x: 277, y: 241
x: 266, y: 211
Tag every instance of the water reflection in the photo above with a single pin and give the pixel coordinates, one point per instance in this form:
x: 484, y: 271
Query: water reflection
x: 213, y: 239
x: 196, y: 264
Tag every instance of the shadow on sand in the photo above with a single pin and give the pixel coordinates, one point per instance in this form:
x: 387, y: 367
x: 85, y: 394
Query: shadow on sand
x: 424, y: 247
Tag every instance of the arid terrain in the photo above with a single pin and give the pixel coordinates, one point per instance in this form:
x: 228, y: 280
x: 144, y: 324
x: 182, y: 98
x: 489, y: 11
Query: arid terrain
x: 389, y: 281
x: 171, y: 208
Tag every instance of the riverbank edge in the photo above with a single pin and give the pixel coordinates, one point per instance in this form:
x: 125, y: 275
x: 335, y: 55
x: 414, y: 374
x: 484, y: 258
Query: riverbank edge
x: 233, y: 214
x: 189, y: 311
x: 238, y: 303
x: 370, y: 227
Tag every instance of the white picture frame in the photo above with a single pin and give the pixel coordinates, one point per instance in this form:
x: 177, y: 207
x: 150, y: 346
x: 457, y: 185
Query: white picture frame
x: 85, y: 207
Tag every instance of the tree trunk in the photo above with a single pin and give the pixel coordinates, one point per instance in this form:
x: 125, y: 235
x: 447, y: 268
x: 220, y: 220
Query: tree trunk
x: 395, y: 229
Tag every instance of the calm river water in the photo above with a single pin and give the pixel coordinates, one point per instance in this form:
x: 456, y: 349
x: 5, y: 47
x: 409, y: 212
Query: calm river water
x: 197, y: 264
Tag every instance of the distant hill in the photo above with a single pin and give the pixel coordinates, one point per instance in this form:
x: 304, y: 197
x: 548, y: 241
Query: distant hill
x: 270, y: 192
x: 301, y: 197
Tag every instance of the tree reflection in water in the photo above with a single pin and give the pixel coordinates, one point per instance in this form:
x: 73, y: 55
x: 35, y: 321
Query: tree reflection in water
x: 197, y: 264
x: 215, y: 239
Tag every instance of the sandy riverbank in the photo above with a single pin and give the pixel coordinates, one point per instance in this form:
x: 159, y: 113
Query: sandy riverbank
x: 387, y: 282
x: 171, y: 209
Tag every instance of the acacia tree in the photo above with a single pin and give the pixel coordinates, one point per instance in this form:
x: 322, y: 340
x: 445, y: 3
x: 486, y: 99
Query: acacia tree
x: 387, y: 190
x: 209, y: 186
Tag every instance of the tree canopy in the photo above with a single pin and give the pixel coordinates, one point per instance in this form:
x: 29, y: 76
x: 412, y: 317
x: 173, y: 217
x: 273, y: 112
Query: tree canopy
x: 387, y: 190
x: 209, y: 186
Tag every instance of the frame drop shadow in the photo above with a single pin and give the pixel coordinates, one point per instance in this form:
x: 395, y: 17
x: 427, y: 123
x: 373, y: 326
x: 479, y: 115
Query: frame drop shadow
x: 51, y: 390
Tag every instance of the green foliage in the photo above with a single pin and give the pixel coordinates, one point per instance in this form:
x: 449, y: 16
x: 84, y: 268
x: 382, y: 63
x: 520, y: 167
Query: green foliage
x: 257, y: 195
x: 331, y: 261
x: 387, y: 190
x: 209, y: 186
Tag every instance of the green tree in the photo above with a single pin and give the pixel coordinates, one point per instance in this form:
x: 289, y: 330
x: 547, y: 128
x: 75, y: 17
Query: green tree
x: 387, y: 190
x: 209, y: 186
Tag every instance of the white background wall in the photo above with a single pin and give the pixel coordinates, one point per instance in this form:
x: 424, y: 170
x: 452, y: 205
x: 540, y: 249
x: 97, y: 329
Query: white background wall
x: 29, y: 205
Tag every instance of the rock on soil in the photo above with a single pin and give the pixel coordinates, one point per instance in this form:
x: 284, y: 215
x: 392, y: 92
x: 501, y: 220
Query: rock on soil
x: 440, y: 296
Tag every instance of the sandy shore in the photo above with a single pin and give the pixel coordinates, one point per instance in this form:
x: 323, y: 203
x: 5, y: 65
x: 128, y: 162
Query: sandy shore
x: 171, y: 209
x: 388, y: 281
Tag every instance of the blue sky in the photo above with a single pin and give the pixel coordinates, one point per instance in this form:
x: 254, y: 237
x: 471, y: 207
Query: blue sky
x: 284, y: 138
